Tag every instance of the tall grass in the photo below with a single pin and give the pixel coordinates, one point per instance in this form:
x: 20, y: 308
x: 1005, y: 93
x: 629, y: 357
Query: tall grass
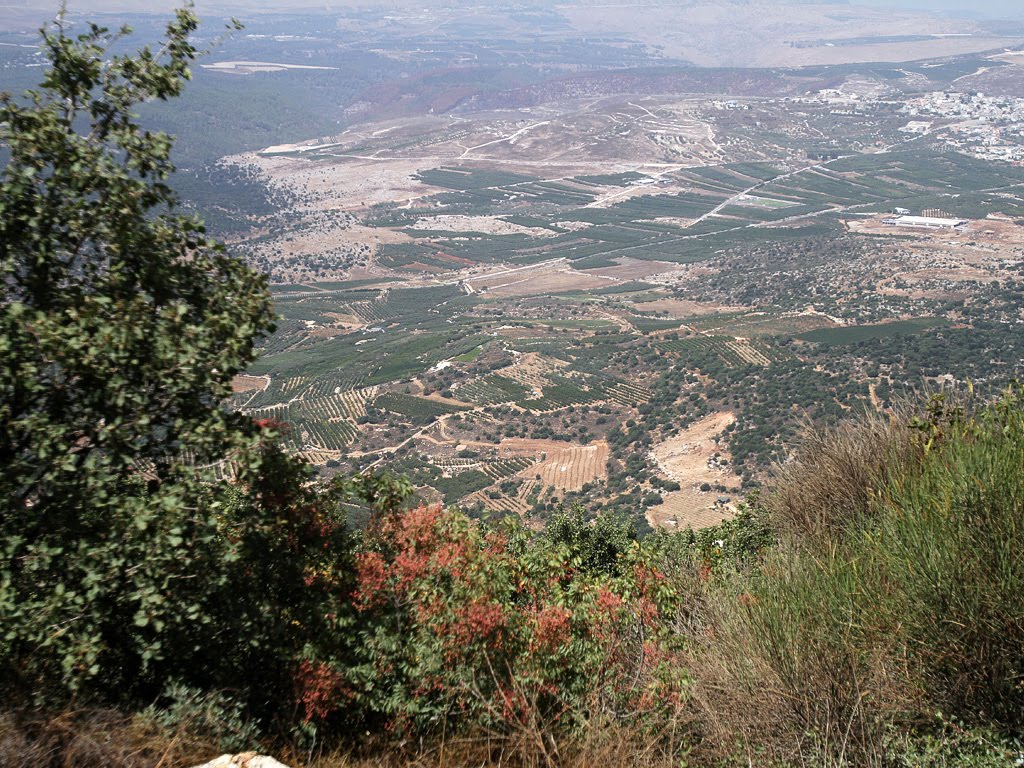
x: 97, y: 738
x: 950, y: 562
x: 102, y: 738
x: 897, y: 593
x: 837, y: 472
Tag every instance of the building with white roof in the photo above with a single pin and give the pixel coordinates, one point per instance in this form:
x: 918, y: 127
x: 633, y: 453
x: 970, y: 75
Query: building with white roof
x: 925, y: 222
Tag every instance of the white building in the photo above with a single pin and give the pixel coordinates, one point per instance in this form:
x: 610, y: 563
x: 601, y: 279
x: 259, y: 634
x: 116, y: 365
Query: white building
x: 916, y: 126
x: 926, y: 222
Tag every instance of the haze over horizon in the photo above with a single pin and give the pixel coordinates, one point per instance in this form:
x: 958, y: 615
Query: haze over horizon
x: 980, y: 8
x: 990, y: 8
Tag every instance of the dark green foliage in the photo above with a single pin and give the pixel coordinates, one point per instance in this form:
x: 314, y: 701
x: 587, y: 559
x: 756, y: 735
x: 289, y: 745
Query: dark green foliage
x: 852, y: 334
x: 598, y: 545
x: 418, y: 409
x: 455, y: 487
x: 492, y: 389
x: 128, y: 562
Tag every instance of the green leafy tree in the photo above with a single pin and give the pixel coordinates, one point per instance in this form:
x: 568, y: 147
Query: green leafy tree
x: 596, y: 546
x: 148, y: 535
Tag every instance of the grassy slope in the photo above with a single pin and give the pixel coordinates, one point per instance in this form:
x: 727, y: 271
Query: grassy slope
x: 896, y: 594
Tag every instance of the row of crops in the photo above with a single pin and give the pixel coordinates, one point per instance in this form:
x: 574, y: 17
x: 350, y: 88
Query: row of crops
x: 654, y: 226
x: 375, y: 311
x: 499, y: 469
x: 372, y: 305
x: 310, y: 425
x: 418, y: 409
x: 624, y: 393
x: 700, y: 347
x: 324, y: 386
x: 492, y: 389
x: 350, y: 404
x: 559, y: 393
x: 325, y: 435
x: 728, y: 349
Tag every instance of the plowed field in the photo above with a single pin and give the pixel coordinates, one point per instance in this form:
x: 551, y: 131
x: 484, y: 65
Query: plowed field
x: 571, y: 468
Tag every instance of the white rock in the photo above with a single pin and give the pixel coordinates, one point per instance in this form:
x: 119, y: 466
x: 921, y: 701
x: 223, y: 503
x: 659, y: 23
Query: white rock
x: 243, y: 760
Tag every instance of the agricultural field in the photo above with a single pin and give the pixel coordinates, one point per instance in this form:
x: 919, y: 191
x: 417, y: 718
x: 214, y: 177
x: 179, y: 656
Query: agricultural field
x: 569, y: 469
x: 625, y: 292
x: 698, y: 459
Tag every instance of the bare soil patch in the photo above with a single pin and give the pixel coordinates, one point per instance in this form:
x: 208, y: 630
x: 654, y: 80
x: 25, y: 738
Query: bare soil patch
x: 347, y: 321
x: 938, y: 264
x: 551, y: 281
x: 996, y: 231
x: 522, y: 446
x: 685, y: 457
x: 419, y: 266
x: 683, y: 308
x: 569, y: 469
x: 323, y: 332
x: 616, y: 195
x: 491, y: 225
x: 690, y: 509
x: 573, y: 226
x: 633, y: 269
x: 531, y: 370
x: 350, y: 183
x: 688, y: 459
x: 244, y: 383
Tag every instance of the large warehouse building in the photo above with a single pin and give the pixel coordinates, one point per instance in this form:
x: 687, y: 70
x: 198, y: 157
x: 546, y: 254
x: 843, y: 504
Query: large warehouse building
x: 926, y: 222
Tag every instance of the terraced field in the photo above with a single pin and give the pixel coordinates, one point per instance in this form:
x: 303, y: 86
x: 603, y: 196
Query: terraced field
x: 496, y: 501
x: 419, y: 409
x: 747, y: 352
x: 571, y: 468
x: 625, y: 393
x: 560, y: 393
x: 488, y: 390
x: 343, y: 405
x: 330, y: 436
x: 686, y: 509
x: 728, y: 349
x: 502, y: 468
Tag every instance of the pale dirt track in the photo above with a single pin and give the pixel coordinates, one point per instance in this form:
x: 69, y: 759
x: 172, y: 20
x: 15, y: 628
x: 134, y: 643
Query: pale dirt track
x: 684, y: 458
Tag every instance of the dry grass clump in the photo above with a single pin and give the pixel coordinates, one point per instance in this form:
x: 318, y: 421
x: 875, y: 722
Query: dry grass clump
x: 783, y: 676
x: 96, y: 738
x: 836, y: 472
x: 615, y: 746
x: 104, y: 738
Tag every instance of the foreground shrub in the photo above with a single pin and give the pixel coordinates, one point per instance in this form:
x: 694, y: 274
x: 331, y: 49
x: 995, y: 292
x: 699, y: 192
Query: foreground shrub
x: 462, y: 627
